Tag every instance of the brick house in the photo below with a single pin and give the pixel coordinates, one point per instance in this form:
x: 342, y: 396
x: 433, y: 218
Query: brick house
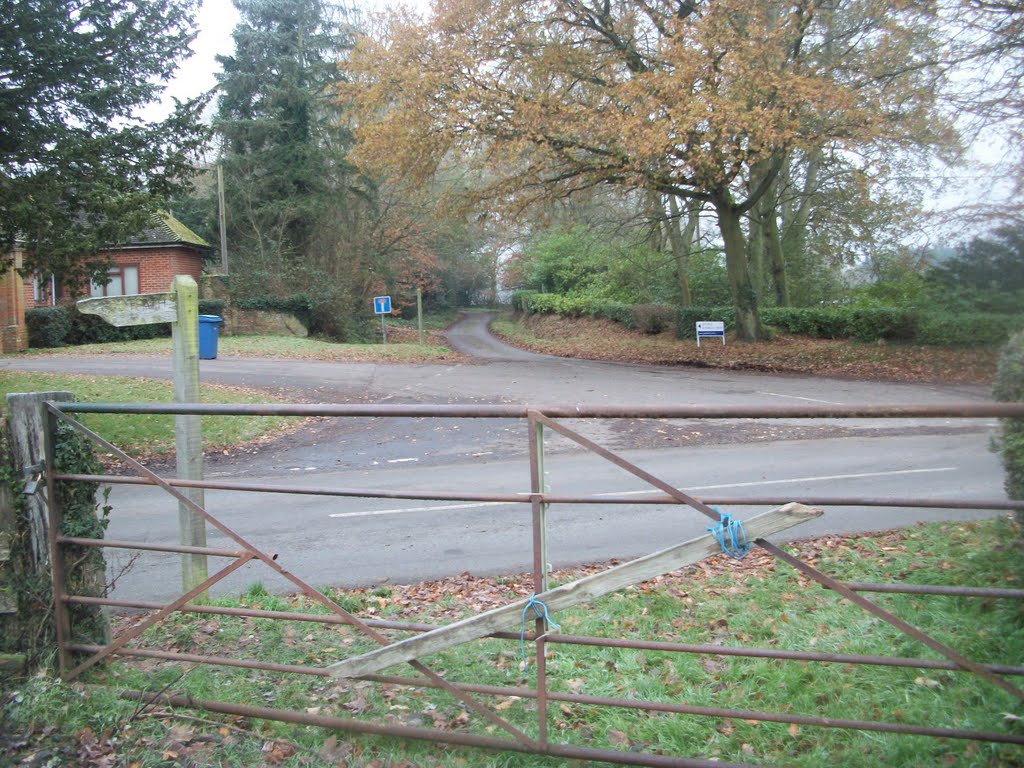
x: 147, y: 263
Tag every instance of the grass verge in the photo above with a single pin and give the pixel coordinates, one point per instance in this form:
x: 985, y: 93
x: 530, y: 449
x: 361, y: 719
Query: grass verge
x: 143, y: 435
x: 402, y: 347
x: 753, y: 602
x: 603, y: 340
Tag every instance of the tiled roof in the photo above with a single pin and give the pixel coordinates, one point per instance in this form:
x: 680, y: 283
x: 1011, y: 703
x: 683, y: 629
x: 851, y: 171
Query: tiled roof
x: 167, y: 230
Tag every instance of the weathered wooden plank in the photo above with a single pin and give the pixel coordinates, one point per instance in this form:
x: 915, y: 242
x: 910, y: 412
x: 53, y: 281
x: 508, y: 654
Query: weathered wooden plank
x: 568, y: 595
x: 141, y: 309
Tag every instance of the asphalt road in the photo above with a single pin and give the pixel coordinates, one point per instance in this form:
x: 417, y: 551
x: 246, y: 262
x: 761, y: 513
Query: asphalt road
x: 357, y: 541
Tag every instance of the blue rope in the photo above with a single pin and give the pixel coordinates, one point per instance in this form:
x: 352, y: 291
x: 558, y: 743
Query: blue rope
x: 540, y: 611
x: 729, y: 534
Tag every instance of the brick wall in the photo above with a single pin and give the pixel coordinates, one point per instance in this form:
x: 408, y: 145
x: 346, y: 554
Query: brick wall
x: 157, y: 268
x: 14, y: 337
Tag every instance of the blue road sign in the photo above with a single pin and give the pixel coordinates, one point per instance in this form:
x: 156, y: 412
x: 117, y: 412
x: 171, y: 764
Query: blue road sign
x: 382, y: 305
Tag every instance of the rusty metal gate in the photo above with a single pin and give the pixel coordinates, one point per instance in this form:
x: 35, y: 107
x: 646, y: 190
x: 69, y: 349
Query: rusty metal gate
x: 76, y: 657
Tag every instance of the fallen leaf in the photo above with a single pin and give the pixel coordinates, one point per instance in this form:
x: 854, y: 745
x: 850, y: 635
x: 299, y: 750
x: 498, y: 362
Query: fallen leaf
x: 618, y: 738
x: 276, y: 753
x: 358, y: 705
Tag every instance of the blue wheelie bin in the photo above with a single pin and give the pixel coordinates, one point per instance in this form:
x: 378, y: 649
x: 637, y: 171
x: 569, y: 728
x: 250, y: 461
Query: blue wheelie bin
x: 209, y: 331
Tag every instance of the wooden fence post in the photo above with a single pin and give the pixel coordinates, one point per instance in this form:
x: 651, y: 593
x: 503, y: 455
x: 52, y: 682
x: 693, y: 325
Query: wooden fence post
x: 31, y: 442
x: 187, y: 430
x: 180, y: 308
x: 12, y: 659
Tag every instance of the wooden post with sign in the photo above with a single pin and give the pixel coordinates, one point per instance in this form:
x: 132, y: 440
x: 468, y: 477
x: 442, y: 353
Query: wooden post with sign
x: 180, y: 308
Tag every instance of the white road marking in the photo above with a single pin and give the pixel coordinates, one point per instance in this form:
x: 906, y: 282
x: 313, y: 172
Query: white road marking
x: 400, y: 461
x: 819, y: 478
x: 372, y: 512
x: 796, y: 397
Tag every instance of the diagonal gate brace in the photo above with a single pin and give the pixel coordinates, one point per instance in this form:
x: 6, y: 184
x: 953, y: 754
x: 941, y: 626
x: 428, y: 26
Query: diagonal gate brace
x: 568, y: 595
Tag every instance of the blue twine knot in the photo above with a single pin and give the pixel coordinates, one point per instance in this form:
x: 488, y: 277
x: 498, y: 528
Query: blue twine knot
x: 540, y: 611
x: 729, y: 534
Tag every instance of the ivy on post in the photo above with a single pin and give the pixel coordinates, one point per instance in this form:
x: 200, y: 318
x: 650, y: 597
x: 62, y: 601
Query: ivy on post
x: 39, y: 568
x: 180, y: 307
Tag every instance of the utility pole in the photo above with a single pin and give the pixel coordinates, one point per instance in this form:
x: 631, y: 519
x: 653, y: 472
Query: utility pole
x: 221, y: 216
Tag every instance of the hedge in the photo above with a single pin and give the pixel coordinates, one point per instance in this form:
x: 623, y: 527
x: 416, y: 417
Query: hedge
x: 967, y: 329
x: 534, y: 303
x: 60, y: 326
x: 300, y: 305
x: 844, y: 322
x: 212, y: 306
x: 858, y: 323
x: 47, y: 327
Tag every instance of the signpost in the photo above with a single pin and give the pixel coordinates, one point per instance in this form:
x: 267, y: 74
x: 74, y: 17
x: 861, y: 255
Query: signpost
x: 709, y: 329
x: 180, y: 308
x: 382, y: 307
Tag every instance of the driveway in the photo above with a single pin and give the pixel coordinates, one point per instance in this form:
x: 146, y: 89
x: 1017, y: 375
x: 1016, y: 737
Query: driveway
x: 355, y: 541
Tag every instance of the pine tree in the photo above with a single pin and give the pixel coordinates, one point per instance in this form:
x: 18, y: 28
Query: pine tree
x: 284, y: 143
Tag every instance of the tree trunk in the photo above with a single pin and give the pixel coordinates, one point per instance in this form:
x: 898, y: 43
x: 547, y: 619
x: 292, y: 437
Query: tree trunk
x: 797, y: 215
x: 756, y: 246
x: 681, y: 243
x: 655, y: 213
x: 773, y: 245
x: 748, y: 324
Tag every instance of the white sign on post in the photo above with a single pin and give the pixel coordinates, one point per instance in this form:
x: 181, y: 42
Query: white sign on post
x: 709, y: 329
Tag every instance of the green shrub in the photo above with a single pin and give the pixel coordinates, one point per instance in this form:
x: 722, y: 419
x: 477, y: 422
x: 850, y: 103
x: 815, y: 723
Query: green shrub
x: 652, y: 318
x: 534, y: 303
x: 1008, y: 387
x: 47, y: 327
x: 967, y: 329
x: 521, y: 300
x: 301, y: 305
x: 860, y: 323
x: 90, y: 329
x: 60, y: 326
x: 212, y: 307
x: 687, y: 319
x: 615, y: 311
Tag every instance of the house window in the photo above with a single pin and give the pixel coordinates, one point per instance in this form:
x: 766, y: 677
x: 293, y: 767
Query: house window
x: 44, y: 289
x: 121, y: 281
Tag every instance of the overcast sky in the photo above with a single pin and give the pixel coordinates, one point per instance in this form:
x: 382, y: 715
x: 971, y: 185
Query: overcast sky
x: 215, y: 21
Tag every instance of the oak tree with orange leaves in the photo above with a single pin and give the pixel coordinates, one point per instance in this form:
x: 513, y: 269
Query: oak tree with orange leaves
x: 691, y: 99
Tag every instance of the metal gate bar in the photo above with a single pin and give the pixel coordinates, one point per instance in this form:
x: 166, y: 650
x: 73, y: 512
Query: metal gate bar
x: 253, y: 552
x: 562, y: 411
x: 563, y: 639
x: 538, y: 418
x: 551, y: 498
x: 733, y: 714
x: 426, y: 734
x: 803, y: 567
